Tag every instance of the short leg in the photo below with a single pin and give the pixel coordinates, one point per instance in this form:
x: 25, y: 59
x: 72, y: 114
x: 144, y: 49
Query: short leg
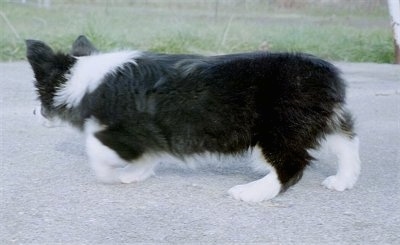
x: 103, y: 160
x: 285, y: 169
x: 110, y: 168
x: 346, y: 148
x: 126, y: 166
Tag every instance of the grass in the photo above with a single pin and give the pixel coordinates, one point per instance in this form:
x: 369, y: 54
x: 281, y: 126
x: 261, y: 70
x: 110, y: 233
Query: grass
x: 177, y: 26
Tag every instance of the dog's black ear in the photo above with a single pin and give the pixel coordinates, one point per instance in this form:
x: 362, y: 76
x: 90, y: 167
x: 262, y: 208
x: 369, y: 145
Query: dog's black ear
x: 83, y: 47
x: 38, y: 51
x: 40, y: 56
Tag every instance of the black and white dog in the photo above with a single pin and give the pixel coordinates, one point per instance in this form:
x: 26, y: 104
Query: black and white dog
x: 139, y: 108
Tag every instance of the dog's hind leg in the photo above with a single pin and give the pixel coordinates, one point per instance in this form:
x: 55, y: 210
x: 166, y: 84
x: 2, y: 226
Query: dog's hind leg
x: 346, y: 150
x: 345, y: 145
x: 285, y: 169
x: 263, y: 189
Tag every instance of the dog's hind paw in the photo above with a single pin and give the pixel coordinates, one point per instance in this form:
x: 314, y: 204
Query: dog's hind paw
x: 257, y: 191
x: 335, y: 183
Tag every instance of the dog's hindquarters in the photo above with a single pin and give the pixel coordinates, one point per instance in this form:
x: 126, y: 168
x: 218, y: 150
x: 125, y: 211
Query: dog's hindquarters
x: 301, y: 105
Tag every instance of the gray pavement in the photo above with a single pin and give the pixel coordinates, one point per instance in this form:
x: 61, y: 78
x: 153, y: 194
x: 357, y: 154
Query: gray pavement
x: 49, y: 195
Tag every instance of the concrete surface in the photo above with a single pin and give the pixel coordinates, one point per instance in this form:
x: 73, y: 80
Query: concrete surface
x: 49, y: 195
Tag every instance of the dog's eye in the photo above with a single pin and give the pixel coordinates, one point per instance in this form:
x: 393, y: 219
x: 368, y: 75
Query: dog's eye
x: 34, y: 111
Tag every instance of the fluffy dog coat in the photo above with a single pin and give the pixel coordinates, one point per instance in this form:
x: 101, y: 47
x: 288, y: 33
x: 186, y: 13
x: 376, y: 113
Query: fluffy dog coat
x: 139, y: 107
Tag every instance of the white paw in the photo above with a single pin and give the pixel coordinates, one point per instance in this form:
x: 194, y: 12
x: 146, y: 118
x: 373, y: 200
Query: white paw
x: 347, y: 151
x: 257, y: 191
x: 336, y: 183
x: 251, y: 193
x: 131, y: 173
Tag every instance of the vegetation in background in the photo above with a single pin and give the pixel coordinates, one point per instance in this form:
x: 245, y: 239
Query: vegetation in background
x: 358, y: 31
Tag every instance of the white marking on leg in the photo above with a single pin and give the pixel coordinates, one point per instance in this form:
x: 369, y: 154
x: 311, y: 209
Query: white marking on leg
x: 88, y: 73
x: 349, y: 164
x: 263, y: 189
x: 103, y: 160
x: 108, y: 166
x: 258, y: 162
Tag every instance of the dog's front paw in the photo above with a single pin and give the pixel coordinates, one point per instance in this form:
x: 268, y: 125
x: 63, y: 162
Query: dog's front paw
x: 339, y: 184
x: 131, y: 173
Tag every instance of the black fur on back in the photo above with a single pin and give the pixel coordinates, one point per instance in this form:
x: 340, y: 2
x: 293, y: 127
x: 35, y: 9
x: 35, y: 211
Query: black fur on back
x: 189, y: 104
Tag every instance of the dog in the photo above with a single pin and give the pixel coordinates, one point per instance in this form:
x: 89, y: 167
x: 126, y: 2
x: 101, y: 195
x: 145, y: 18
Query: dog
x: 138, y: 108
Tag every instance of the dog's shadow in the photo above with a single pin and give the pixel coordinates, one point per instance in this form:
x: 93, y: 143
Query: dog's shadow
x: 209, y: 169
x: 71, y: 145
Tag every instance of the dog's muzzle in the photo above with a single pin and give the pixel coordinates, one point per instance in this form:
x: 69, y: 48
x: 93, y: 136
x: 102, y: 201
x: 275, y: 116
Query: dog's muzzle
x: 45, y: 121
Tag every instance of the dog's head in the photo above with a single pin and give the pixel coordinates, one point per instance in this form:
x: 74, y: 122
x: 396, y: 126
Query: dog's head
x: 51, y: 71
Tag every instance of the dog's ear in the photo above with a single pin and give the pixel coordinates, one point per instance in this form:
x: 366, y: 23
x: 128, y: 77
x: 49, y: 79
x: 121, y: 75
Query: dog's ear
x: 38, y: 51
x: 40, y: 56
x: 83, y: 47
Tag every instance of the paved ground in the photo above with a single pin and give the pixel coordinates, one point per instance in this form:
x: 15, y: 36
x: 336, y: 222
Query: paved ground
x: 48, y: 194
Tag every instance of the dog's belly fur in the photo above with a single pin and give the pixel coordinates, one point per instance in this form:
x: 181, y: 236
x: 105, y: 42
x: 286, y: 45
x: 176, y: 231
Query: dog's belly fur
x: 278, y: 106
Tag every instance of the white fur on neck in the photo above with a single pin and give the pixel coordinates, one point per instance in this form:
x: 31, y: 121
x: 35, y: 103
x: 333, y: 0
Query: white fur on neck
x: 87, y: 74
